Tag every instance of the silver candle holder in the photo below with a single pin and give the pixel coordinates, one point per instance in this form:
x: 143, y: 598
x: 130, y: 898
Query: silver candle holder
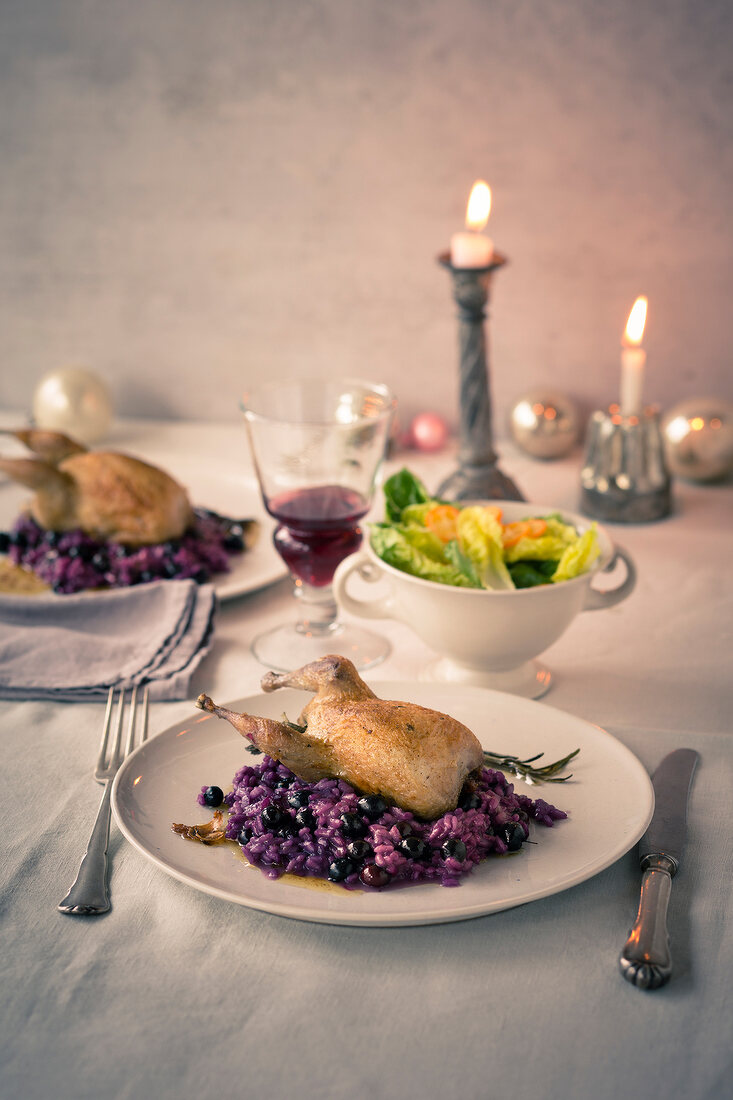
x: 478, y: 476
x: 624, y: 478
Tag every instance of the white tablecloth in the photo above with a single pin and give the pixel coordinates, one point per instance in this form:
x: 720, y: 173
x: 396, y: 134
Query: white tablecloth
x: 178, y: 994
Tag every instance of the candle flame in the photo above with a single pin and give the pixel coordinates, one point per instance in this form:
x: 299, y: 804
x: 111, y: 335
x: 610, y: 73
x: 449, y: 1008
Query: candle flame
x: 636, y: 321
x: 479, y: 206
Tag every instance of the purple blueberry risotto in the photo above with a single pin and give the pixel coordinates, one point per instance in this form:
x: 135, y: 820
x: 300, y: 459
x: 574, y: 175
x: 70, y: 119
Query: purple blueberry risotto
x: 72, y: 561
x: 328, y: 830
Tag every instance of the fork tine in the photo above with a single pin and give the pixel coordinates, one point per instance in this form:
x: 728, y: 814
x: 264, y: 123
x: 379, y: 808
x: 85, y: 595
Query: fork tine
x: 146, y: 708
x: 131, y: 722
x: 101, y: 759
x: 114, y: 757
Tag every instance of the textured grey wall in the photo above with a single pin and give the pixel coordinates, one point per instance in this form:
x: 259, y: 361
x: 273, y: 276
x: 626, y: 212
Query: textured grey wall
x: 193, y: 193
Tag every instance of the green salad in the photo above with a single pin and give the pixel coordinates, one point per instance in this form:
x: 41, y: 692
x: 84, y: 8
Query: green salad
x: 470, y: 546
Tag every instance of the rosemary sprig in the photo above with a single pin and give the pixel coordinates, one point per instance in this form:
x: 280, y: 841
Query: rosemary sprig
x: 524, y: 769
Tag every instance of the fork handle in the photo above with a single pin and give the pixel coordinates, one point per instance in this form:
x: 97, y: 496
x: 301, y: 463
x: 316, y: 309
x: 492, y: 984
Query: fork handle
x: 89, y: 895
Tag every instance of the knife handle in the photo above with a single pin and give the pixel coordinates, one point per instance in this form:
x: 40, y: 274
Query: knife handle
x: 646, y: 961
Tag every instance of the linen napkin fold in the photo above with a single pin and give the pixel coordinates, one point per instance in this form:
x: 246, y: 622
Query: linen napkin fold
x: 74, y: 648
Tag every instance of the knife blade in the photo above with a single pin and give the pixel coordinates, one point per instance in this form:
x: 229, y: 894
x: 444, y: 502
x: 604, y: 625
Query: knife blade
x: 646, y: 960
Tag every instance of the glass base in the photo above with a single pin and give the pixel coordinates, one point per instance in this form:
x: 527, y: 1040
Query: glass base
x: 286, y: 648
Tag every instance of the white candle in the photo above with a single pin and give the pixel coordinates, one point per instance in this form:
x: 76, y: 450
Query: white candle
x: 633, y: 358
x: 471, y: 247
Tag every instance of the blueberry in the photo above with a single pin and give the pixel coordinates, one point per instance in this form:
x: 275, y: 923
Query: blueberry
x: 201, y: 576
x: 170, y: 569
x: 52, y: 538
x: 352, y: 825
x: 298, y: 799
x: 73, y: 552
x: 245, y: 835
x: 146, y: 576
x: 100, y: 561
x: 359, y: 849
x: 371, y: 875
x: 305, y: 818
x: 340, y: 869
x: 470, y: 799
x: 19, y: 539
x: 213, y: 796
x: 4, y: 542
x: 414, y: 848
x: 404, y: 828
x: 453, y: 848
x: 233, y: 543
x: 272, y: 816
x: 513, y: 834
x: 372, y: 806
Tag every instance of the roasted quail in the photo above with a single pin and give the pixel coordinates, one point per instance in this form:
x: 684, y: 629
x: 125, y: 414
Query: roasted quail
x: 109, y: 496
x: 412, y: 756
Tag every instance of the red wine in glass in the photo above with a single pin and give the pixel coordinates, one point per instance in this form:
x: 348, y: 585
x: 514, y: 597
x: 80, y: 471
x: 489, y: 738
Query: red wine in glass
x: 318, y: 528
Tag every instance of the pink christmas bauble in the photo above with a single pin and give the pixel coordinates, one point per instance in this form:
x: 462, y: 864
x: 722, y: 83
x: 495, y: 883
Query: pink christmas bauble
x: 428, y: 432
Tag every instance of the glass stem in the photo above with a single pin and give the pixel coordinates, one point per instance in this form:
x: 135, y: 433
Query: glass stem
x: 318, y: 610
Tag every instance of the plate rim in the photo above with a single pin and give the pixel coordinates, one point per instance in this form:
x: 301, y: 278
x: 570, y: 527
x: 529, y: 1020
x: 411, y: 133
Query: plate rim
x: 464, y: 911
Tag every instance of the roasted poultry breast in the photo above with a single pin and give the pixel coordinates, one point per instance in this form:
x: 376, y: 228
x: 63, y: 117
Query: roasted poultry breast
x: 107, y: 495
x: 413, y: 756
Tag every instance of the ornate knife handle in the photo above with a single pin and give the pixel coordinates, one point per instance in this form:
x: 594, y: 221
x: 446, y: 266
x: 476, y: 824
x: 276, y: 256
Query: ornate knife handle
x: 646, y: 961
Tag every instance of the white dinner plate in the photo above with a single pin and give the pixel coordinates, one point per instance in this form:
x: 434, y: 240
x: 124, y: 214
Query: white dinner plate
x: 609, y: 800
x: 211, y: 483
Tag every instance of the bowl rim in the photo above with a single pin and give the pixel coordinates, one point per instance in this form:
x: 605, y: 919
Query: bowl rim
x: 578, y: 521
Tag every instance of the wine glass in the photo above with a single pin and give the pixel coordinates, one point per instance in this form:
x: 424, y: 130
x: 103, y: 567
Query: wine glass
x: 317, y: 448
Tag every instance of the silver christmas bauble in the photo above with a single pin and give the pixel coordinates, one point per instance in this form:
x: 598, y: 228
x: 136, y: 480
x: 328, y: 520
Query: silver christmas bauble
x: 73, y: 401
x: 544, y: 424
x: 698, y: 439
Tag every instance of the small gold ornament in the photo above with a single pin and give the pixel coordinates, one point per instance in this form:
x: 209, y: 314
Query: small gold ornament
x: 544, y: 424
x: 698, y: 439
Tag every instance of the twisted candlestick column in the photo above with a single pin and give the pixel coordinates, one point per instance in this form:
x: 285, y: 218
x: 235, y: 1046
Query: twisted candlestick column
x: 478, y: 476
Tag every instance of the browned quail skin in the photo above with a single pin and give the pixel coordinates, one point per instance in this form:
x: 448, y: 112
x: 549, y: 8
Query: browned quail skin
x: 110, y: 496
x: 413, y: 756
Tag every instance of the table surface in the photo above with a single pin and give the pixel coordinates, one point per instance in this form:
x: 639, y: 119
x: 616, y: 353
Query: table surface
x: 175, y: 993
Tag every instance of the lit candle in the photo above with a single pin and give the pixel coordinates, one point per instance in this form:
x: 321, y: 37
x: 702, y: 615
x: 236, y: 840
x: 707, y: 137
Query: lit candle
x: 633, y: 358
x: 471, y: 247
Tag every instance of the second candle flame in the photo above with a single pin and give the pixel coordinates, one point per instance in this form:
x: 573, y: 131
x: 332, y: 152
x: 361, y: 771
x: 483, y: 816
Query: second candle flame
x: 479, y: 206
x: 636, y: 321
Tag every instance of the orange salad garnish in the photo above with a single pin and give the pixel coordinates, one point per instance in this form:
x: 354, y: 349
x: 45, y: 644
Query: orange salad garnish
x: 441, y: 520
x: 523, y: 529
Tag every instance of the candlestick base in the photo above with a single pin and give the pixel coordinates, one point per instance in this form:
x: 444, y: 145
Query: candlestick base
x: 479, y: 483
x: 624, y: 478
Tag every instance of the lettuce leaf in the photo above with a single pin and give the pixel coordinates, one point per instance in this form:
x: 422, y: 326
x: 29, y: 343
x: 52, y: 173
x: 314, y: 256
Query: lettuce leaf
x: 579, y: 557
x: 416, y: 513
x: 479, y: 532
x: 401, y: 490
x: 462, y: 562
x: 395, y: 545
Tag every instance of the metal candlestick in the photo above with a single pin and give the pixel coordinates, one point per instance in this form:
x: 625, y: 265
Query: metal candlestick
x: 478, y: 476
x: 624, y: 478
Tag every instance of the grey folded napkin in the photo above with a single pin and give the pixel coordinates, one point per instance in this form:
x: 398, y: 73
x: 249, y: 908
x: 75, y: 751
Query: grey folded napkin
x: 74, y: 648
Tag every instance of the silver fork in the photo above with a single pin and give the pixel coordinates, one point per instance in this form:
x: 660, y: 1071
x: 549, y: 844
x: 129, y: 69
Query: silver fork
x: 90, y: 893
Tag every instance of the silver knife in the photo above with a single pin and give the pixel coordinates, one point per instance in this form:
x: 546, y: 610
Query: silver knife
x: 646, y: 960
